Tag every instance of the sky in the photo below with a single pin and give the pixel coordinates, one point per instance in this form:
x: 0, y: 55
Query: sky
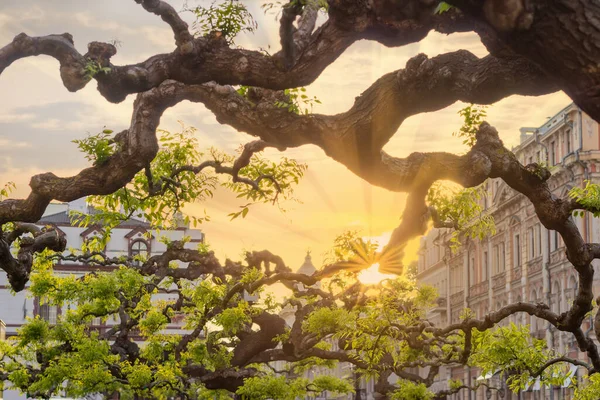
x: 39, y: 119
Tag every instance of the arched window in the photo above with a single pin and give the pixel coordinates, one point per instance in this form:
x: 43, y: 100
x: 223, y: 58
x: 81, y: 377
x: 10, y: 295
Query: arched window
x: 573, y: 283
x: 571, y: 290
x: 519, y: 318
x: 472, y: 278
x: 533, y: 298
x: 556, y: 298
x: 139, y: 247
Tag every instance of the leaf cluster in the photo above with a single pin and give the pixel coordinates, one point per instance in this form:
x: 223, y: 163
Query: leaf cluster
x: 473, y: 115
x: 511, y: 351
x: 160, y: 192
x: 278, y: 387
x: 97, y: 148
x: 442, y: 7
x: 588, y: 196
x: 7, y: 189
x: 228, y: 18
x: 297, y: 101
x: 93, y: 68
x: 462, y: 208
x: 276, y: 182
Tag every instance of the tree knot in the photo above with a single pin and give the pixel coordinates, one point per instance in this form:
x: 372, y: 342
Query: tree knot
x: 101, y: 52
x: 508, y: 15
x: 487, y: 133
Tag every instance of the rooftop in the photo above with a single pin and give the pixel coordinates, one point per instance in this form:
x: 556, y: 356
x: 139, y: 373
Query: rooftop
x: 307, y: 268
x: 63, y: 218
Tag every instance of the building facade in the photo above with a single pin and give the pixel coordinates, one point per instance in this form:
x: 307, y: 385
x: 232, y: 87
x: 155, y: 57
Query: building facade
x: 522, y: 261
x: 131, y: 237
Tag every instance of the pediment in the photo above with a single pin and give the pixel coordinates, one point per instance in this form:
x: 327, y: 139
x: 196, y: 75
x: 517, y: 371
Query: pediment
x: 92, y: 231
x: 504, y: 193
x: 137, y: 233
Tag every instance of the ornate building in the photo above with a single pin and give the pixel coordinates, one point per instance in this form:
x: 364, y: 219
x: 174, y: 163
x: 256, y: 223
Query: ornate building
x: 131, y: 237
x: 522, y: 261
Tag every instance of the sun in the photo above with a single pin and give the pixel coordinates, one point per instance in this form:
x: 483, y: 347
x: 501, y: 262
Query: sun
x: 372, y: 276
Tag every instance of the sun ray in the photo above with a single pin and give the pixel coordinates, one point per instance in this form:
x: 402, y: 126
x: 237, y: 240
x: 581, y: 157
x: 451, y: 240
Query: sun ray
x: 372, y: 275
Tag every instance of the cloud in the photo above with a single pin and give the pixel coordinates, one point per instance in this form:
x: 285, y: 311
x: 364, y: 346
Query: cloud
x: 12, y: 144
x: 52, y: 124
x: 15, y: 117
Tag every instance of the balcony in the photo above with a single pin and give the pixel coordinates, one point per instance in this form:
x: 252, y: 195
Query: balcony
x: 517, y: 272
x: 440, y: 306
x: 479, y: 289
x: 499, y: 281
x: 457, y: 298
x: 558, y: 255
x: 534, y: 266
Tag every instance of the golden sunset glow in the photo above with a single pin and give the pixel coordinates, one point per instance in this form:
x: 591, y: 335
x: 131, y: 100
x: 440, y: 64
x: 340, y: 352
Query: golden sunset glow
x: 372, y: 276
x: 331, y: 199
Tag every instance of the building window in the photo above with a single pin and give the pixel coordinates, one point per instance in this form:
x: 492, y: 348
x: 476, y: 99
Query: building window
x: 517, y: 251
x: 588, y: 224
x: 456, y: 279
x: 139, y: 247
x: 556, y: 304
x: 502, y: 257
x: 554, y: 240
x: 496, y: 259
x: 519, y: 319
x: 48, y: 313
x: 552, y: 153
x: 568, y: 134
x: 485, y: 195
x: 531, y: 243
x: 472, y: 272
x: 539, y: 239
x: 533, y: 298
x: 484, y: 270
x: 499, y: 258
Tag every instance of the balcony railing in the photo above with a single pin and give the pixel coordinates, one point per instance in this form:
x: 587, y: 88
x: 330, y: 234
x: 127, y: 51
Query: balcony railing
x: 534, y: 266
x: 440, y: 306
x: 457, y: 298
x: 557, y: 256
x: 517, y: 272
x: 479, y: 289
x: 499, y: 281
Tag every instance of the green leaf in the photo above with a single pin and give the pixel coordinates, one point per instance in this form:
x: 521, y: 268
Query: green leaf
x: 442, y: 7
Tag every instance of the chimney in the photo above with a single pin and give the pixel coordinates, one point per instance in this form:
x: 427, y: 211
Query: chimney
x: 179, y: 220
x: 526, y: 132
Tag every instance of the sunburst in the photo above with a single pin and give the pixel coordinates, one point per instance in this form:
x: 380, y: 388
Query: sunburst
x: 373, y: 276
x: 372, y: 266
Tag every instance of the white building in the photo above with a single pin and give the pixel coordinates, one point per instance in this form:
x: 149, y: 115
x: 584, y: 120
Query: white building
x: 129, y: 238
